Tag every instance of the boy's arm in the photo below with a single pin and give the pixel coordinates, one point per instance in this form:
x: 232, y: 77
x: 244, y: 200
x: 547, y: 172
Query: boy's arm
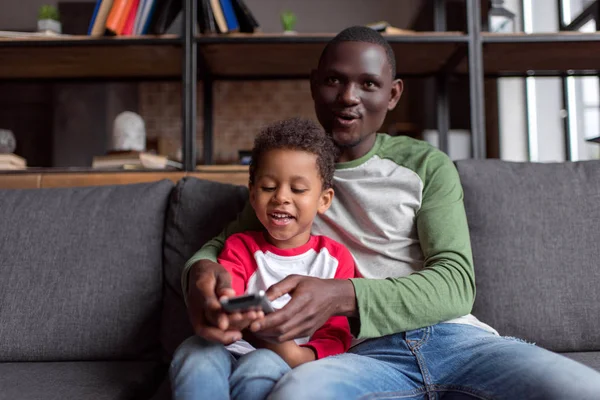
x: 289, y: 351
x: 445, y: 288
x: 246, y: 221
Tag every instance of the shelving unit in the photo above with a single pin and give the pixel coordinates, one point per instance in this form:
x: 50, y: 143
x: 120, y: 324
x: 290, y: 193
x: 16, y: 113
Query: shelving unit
x: 547, y: 54
x: 83, y: 57
x: 190, y: 58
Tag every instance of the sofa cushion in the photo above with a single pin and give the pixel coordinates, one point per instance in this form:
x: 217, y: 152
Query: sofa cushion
x: 96, y: 380
x: 536, y: 246
x: 589, y: 358
x: 81, y: 272
x: 198, y: 211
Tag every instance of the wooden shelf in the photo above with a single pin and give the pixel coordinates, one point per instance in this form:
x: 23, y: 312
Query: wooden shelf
x: 294, y: 56
x: 51, y: 178
x: 540, y: 54
x: 80, y: 57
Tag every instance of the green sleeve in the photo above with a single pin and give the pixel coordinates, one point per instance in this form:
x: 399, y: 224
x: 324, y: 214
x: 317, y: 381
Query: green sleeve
x: 246, y: 221
x: 445, y: 288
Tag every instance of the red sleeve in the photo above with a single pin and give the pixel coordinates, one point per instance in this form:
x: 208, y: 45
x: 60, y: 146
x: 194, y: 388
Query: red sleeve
x: 334, y: 336
x: 346, y: 267
x: 236, y: 257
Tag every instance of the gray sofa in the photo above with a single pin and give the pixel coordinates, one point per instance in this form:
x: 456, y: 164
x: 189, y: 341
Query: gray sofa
x: 91, y: 307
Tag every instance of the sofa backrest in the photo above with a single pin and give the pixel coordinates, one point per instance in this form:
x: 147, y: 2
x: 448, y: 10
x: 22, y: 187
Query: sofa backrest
x: 81, y: 272
x: 198, y: 211
x: 535, y: 232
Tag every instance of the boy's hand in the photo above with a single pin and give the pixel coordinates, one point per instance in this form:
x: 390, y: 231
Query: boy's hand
x: 208, y: 282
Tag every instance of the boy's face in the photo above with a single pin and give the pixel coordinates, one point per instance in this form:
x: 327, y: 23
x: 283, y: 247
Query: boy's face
x: 287, y: 194
x: 353, y: 89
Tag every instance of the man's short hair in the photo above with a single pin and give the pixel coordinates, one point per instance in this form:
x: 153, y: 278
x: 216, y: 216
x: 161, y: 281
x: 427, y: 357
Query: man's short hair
x: 296, y: 134
x: 363, y: 34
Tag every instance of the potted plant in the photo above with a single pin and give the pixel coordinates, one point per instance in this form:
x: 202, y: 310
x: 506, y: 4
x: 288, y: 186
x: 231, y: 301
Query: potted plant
x: 288, y: 20
x: 49, y: 19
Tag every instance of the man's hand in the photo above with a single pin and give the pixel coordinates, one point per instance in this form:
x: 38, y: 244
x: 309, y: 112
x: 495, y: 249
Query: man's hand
x: 207, y: 283
x: 313, y: 302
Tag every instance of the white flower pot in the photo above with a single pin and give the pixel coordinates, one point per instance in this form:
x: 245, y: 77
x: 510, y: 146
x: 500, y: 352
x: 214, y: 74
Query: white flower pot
x: 49, y: 25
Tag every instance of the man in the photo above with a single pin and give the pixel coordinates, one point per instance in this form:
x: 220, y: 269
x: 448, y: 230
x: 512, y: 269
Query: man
x: 399, y: 210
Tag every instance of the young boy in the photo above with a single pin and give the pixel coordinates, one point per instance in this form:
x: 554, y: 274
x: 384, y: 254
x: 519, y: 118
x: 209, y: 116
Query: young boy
x: 291, y: 177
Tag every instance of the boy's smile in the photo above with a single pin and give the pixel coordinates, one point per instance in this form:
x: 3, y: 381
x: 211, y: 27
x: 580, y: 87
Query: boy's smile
x: 287, y: 194
x: 353, y: 89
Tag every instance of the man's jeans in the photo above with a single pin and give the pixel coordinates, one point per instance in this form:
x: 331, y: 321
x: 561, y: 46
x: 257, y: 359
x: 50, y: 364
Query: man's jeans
x: 445, y: 361
x: 203, y: 370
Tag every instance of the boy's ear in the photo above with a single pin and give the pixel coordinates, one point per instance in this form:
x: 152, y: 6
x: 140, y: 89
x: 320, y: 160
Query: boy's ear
x: 395, y: 93
x: 252, y: 197
x: 325, y: 200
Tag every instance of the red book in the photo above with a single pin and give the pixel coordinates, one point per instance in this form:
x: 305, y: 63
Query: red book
x: 117, y: 16
x: 130, y: 21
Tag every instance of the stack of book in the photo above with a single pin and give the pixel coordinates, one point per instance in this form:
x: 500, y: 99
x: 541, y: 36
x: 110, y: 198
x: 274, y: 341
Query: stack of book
x: 140, y: 17
x: 12, y: 162
x: 133, y: 160
x: 223, y: 16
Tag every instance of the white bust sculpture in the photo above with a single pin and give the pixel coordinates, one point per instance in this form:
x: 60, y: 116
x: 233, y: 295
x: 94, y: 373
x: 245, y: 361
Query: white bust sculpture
x: 129, y: 132
x: 7, y: 141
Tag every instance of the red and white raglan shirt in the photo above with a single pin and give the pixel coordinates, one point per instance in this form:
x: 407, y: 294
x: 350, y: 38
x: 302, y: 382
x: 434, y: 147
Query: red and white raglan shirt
x: 255, y: 264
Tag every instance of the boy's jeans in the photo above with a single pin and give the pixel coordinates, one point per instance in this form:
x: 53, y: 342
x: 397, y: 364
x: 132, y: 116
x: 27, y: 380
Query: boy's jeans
x: 445, y: 361
x: 204, y: 370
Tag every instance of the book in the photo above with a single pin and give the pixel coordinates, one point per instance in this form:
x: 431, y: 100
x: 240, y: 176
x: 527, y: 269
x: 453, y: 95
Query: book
x: 133, y: 160
x: 11, y: 167
x: 117, y: 18
x: 138, y: 17
x: 12, y: 159
x: 229, y: 14
x: 219, y: 17
x: 165, y: 13
x: 94, y: 15
x: 206, y: 19
x: 246, y: 20
x: 128, y: 27
x: 147, y: 15
x: 100, y: 21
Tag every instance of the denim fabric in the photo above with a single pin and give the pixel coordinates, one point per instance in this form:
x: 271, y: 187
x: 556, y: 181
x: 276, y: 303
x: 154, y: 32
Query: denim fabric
x: 445, y: 361
x: 204, y: 370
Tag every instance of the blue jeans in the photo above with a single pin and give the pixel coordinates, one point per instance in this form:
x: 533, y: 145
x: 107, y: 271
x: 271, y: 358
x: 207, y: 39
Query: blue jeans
x: 204, y: 370
x: 445, y: 361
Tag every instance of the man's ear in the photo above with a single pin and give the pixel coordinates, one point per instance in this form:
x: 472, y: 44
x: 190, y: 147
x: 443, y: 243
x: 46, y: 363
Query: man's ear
x: 313, y: 83
x: 395, y: 93
x: 325, y: 200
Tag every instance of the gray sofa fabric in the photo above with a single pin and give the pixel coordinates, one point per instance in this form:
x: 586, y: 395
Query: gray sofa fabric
x: 536, y: 247
x: 81, y: 272
x: 80, y: 380
x: 589, y: 358
x: 198, y: 211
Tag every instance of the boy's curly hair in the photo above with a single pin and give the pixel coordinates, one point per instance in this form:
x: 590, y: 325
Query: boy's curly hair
x: 296, y: 134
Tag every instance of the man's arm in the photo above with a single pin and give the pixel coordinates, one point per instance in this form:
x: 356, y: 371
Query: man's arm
x: 445, y: 288
x: 246, y: 221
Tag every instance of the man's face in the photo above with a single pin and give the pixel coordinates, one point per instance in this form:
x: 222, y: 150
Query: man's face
x: 353, y: 89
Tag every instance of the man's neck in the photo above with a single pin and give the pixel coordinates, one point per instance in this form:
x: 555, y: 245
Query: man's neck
x: 358, y: 150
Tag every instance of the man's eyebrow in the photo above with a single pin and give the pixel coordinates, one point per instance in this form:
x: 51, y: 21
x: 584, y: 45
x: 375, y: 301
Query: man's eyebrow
x: 370, y: 75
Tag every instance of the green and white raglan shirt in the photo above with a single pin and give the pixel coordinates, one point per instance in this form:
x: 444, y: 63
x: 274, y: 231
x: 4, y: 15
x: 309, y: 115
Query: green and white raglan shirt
x: 399, y: 210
